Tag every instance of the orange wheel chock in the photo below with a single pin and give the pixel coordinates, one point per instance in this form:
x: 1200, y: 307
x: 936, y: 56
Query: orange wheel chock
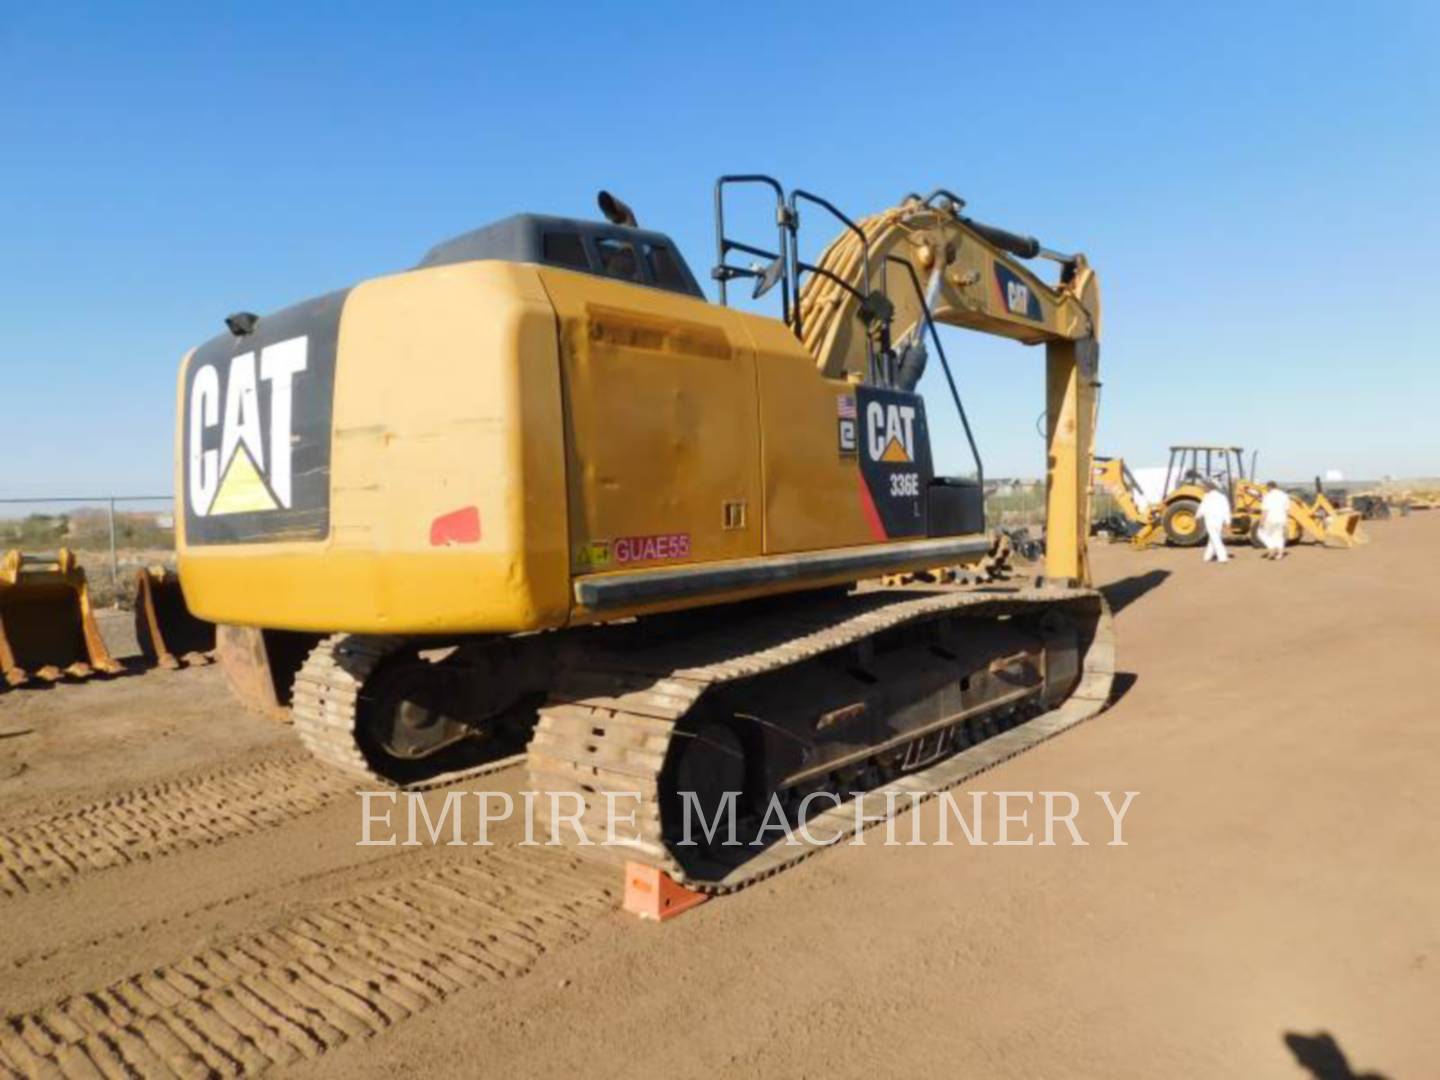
x: 654, y: 894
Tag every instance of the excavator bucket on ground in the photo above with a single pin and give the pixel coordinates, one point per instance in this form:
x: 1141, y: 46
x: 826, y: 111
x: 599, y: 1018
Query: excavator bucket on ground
x: 47, y: 627
x: 169, y: 635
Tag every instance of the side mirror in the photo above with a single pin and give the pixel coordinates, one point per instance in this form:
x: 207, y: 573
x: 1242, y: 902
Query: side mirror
x: 768, y: 279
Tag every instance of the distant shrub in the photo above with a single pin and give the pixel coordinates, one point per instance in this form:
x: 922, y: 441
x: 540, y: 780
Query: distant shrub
x: 38, y: 531
x: 88, y: 529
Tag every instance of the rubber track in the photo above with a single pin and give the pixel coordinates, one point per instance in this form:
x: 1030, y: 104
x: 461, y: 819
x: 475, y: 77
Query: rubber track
x: 157, y: 820
x: 607, y: 728
x: 347, y: 970
x: 326, y: 695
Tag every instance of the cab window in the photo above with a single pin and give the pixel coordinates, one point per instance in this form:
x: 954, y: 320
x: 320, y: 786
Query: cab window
x: 565, y: 249
x: 665, y: 268
x: 617, y: 259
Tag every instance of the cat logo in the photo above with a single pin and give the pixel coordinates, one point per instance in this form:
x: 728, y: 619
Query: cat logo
x: 890, y: 432
x: 247, y: 473
x: 1017, y: 297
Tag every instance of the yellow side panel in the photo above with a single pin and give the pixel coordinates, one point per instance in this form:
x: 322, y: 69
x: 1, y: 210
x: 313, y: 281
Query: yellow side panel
x: 447, y: 399
x: 661, y: 426
x: 812, y: 488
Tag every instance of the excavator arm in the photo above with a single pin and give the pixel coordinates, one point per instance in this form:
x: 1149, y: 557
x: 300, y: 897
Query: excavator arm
x: 868, y: 302
x: 968, y: 279
x: 1113, y: 476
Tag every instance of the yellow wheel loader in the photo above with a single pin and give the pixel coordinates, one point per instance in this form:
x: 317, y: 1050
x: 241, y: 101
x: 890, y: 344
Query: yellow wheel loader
x: 47, y: 626
x: 1192, y: 471
x: 539, y: 494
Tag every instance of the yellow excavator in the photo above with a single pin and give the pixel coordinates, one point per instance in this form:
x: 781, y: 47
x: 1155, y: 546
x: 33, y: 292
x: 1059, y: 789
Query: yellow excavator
x: 1191, y: 472
x: 538, y: 494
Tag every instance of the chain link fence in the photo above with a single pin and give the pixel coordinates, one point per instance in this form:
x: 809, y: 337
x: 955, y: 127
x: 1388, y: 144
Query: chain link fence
x: 111, y: 535
x: 1021, y: 504
x: 1014, y: 504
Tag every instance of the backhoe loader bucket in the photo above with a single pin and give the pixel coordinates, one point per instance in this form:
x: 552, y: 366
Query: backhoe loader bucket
x: 1323, y: 523
x: 169, y: 635
x: 47, y: 627
x: 1343, y: 529
x: 1338, y: 528
x: 260, y: 665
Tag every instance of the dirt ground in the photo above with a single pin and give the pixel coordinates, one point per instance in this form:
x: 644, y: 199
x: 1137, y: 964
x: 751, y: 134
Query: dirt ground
x: 180, y: 887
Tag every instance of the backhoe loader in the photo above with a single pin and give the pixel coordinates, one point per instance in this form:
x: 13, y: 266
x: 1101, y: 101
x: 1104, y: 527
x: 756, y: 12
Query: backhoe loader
x: 538, y: 494
x: 1195, y: 469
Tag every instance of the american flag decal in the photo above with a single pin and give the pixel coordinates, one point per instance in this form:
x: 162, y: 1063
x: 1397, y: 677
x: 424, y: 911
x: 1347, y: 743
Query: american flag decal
x: 845, y: 406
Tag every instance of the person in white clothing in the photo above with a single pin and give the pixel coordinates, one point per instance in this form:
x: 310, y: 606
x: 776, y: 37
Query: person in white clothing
x: 1215, y: 514
x: 1274, y: 514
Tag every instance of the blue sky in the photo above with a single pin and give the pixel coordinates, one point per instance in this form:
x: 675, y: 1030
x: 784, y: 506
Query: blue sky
x: 1255, y: 184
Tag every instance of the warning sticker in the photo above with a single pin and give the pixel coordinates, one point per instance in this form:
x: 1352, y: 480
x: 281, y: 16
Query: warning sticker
x: 594, y: 556
x: 846, y: 425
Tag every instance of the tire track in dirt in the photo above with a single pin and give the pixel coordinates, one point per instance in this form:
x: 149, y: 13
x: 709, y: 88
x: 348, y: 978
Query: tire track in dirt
x: 162, y: 818
x: 344, y: 970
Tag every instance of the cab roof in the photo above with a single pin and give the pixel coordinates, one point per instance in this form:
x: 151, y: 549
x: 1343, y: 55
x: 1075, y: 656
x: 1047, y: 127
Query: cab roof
x: 615, y: 251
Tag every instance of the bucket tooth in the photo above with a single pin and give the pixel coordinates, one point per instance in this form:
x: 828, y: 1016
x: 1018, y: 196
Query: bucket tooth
x: 47, y: 625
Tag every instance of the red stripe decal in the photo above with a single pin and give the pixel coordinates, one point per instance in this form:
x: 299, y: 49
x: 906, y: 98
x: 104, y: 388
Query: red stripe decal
x: 867, y: 504
x: 457, y: 527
